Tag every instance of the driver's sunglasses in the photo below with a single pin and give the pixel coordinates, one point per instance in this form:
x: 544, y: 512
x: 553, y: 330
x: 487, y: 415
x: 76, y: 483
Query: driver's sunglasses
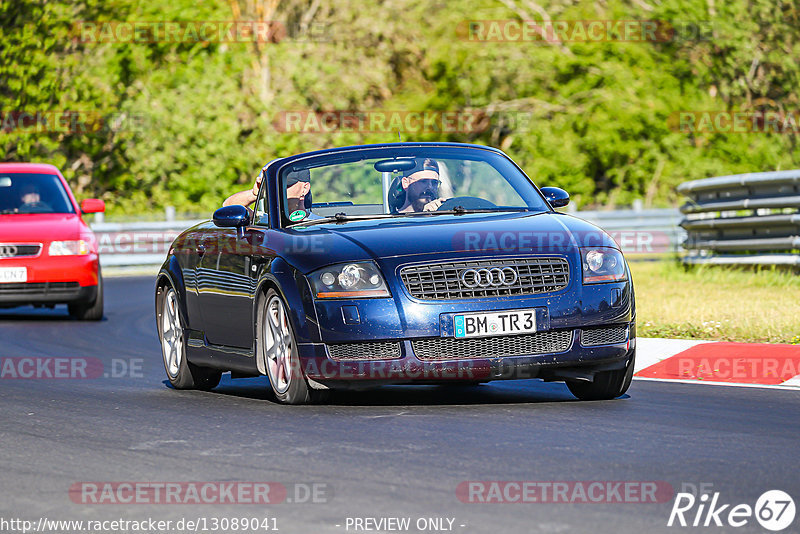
x: 430, y: 183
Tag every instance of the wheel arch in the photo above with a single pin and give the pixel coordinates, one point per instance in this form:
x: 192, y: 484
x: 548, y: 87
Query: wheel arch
x: 170, y: 275
x: 290, y: 285
x: 264, y: 285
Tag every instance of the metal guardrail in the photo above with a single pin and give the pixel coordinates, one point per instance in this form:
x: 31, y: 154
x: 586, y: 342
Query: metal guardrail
x: 652, y: 231
x: 745, y: 219
x: 138, y: 244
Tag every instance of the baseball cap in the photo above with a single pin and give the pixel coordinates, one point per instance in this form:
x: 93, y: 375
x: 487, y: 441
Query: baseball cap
x: 297, y: 176
x: 423, y: 164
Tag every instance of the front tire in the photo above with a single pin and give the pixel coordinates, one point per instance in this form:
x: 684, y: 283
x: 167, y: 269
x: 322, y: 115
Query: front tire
x: 607, y: 384
x: 181, y: 373
x: 89, y: 311
x: 278, y: 352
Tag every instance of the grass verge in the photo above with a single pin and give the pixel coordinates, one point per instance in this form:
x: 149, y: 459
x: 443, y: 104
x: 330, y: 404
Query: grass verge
x: 716, y: 303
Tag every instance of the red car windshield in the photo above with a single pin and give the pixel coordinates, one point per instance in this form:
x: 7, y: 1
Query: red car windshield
x: 33, y: 193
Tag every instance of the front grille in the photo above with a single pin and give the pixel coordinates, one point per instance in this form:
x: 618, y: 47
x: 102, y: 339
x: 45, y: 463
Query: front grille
x: 16, y: 250
x: 39, y: 288
x: 382, y: 350
x: 492, y: 347
x: 604, y: 336
x: 443, y: 281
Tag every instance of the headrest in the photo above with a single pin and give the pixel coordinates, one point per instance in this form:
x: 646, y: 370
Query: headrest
x: 396, y: 195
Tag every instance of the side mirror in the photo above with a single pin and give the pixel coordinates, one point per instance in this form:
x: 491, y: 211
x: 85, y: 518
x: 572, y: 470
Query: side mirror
x: 557, y: 197
x: 234, y: 216
x: 93, y: 205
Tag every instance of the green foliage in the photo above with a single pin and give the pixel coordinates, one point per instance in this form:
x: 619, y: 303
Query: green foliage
x: 188, y: 123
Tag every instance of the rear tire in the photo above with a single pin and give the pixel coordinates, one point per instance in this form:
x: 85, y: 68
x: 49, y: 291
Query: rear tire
x: 89, y: 311
x: 607, y: 384
x: 277, y: 349
x: 181, y: 373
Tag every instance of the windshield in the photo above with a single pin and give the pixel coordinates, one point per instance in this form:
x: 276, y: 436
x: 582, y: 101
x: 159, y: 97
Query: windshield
x: 402, y: 182
x: 32, y: 193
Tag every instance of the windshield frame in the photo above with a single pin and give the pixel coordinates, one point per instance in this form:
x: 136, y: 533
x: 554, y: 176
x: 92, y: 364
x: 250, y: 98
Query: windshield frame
x: 495, y: 158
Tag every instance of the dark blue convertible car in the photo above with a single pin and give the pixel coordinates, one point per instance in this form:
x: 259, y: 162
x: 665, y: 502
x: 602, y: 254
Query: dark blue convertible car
x: 401, y: 263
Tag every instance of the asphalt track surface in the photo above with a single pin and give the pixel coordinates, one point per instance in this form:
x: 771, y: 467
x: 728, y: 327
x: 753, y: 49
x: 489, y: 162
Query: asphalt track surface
x: 391, y: 452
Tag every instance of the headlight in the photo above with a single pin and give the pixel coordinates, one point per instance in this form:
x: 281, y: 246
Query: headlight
x: 349, y: 280
x: 602, y: 264
x: 68, y: 248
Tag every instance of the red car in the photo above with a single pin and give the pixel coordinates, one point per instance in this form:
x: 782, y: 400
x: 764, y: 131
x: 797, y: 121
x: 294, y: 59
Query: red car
x: 48, y: 254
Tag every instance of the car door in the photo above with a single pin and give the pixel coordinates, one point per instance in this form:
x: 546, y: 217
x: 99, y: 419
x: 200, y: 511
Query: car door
x: 227, y: 276
x: 190, y: 245
x: 226, y: 288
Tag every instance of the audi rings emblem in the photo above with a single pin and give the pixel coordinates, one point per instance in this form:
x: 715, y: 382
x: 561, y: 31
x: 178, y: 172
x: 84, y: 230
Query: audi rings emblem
x: 494, y: 277
x: 8, y: 251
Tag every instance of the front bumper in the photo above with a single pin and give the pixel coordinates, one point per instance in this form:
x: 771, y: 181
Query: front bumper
x: 573, y: 340
x: 575, y: 362
x: 52, y: 280
x: 81, y: 269
x: 45, y: 293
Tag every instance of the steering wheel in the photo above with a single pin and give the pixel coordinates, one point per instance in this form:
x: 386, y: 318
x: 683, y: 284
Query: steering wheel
x: 468, y: 203
x: 35, y: 207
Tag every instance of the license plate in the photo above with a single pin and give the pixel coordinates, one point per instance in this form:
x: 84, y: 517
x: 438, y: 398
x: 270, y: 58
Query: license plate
x: 495, y: 323
x: 13, y: 274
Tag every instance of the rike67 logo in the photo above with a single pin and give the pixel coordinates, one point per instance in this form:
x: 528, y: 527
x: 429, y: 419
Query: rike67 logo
x: 774, y: 510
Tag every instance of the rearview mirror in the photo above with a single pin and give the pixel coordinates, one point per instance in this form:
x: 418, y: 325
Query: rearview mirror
x: 394, y: 165
x: 557, y: 197
x: 93, y: 205
x: 234, y: 216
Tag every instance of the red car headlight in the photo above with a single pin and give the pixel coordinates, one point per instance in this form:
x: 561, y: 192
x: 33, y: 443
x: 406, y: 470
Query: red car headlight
x: 68, y: 248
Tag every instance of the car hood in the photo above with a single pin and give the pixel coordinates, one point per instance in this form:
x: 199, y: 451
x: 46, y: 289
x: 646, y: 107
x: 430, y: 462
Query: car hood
x: 445, y: 236
x: 39, y: 227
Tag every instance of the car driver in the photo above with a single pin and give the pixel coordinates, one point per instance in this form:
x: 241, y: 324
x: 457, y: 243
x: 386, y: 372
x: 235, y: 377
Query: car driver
x: 421, y: 186
x: 31, y: 200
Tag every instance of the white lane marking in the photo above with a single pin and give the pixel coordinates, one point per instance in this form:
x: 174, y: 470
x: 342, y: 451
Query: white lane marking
x: 793, y: 382
x: 650, y: 351
x: 711, y: 383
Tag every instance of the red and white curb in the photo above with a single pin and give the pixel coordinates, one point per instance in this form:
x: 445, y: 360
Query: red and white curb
x: 718, y: 363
